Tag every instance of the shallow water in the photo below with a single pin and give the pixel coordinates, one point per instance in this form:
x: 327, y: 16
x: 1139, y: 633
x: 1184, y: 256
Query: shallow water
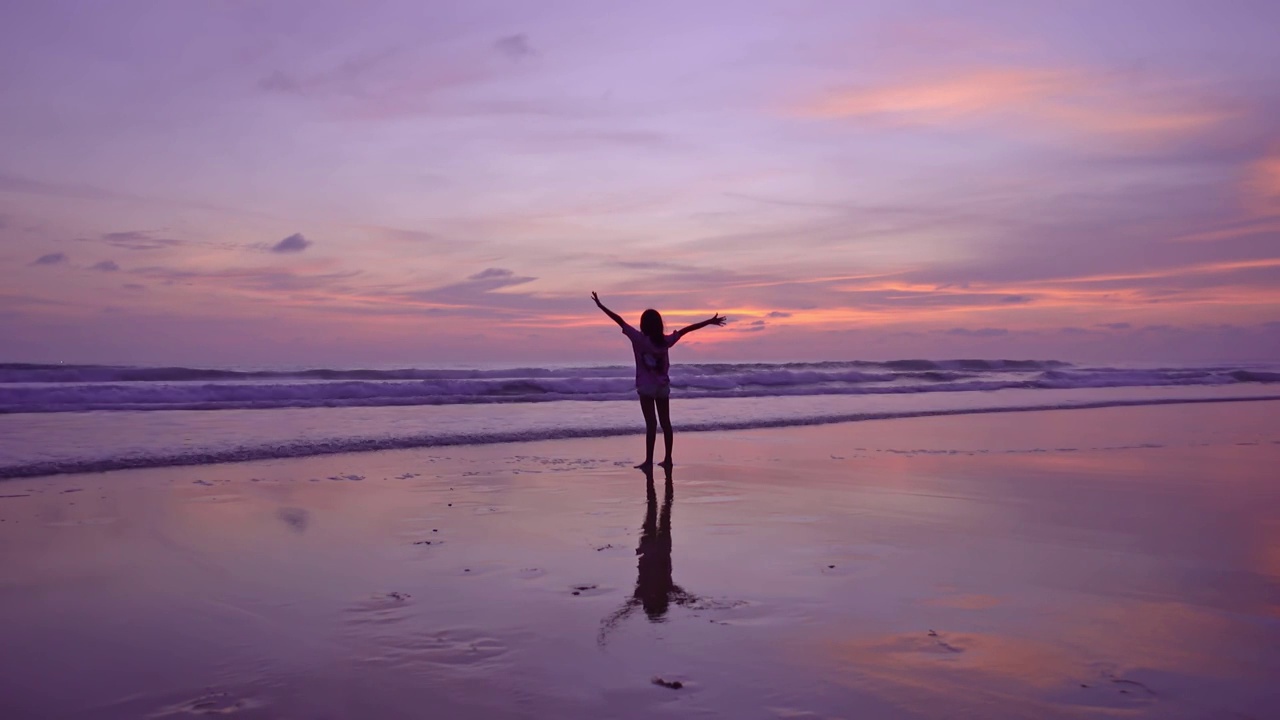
x: 1043, y: 564
x: 53, y: 443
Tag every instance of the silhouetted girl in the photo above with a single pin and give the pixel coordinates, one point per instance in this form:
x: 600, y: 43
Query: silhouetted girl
x: 653, y: 384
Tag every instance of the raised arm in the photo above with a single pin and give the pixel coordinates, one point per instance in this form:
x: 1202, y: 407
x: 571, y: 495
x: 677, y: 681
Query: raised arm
x: 716, y: 319
x: 613, y: 315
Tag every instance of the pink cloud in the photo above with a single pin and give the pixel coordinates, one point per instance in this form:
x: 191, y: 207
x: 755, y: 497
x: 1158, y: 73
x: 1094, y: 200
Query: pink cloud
x: 941, y: 100
x: 1262, y: 184
x: 1069, y: 101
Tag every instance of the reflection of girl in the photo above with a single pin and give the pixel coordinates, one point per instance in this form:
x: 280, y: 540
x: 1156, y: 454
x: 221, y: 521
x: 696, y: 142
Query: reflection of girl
x: 654, y: 585
x: 653, y: 384
x: 655, y: 589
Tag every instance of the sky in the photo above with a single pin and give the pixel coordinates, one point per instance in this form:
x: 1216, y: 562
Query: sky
x: 328, y: 183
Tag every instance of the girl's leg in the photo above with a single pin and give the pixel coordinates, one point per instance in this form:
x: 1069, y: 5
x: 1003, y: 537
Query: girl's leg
x: 664, y: 417
x: 650, y: 429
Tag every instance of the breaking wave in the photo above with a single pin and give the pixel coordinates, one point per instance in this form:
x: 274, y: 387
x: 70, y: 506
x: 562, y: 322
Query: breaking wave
x: 33, y: 388
x: 30, y: 388
x: 331, y: 446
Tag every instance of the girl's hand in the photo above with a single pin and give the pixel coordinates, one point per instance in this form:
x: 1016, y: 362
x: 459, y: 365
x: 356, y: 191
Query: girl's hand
x: 717, y: 319
x: 612, y: 315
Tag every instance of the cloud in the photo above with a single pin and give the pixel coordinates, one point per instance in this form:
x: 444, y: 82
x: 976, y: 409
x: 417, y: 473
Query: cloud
x: 295, y: 243
x: 106, y: 266
x: 395, y: 82
x: 515, y: 47
x: 1239, y: 229
x: 934, y: 101
x: 138, y: 240
x: 738, y: 326
x: 980, y: 333
x: 476, y: 295
x: 268, y: 280
x: 51, y: 259
x: 1116, y: 325
x: 134, y: 287
x: 280, y: 82
x: 1262, y: 184
x: 27, y: 186
x: 490, y: 279
x: 662, y: 269
x: 491, y: 273
x: 349, y: 77
x: 1073, y: 101
x: 779, y: 314
x: 416, y: 237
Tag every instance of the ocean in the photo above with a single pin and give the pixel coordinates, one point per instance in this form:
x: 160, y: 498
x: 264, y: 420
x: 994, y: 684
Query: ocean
x: 57, y: 418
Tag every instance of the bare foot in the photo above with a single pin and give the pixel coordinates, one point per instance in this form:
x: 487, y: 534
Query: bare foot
x: 646, y: 465
x: 666, y: 463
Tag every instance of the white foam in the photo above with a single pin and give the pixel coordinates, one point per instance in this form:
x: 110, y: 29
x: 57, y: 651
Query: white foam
x: 334, y: 445
x: 45, y: 389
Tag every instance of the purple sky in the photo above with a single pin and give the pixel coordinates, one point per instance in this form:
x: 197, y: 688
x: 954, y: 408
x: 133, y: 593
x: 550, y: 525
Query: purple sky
x: 322, y: 183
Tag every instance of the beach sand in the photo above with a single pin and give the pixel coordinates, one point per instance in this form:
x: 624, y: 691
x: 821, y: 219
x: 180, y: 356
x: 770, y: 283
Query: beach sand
x: 1119, y: 562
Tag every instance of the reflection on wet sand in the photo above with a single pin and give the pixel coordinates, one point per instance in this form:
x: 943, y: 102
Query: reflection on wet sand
x: 1135, y: 583
x: 655, y: 587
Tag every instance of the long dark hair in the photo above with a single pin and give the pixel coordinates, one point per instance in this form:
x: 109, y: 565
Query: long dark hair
x: 651, y: 326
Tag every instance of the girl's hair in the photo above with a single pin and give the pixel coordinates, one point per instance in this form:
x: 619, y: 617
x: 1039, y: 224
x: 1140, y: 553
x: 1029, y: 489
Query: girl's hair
x: 651, y: 326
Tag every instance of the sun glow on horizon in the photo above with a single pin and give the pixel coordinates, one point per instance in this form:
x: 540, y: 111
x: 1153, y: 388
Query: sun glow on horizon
x: 931, y: 184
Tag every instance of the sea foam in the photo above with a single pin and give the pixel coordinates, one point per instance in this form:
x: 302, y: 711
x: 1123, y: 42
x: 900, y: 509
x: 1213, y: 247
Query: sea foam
x: 30, y: 388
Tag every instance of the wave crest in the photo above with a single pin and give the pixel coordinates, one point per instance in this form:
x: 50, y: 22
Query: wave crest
x: 29, y: 388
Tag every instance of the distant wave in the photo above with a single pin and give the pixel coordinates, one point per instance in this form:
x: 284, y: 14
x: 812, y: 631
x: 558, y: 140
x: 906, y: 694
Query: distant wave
x: 304, y: 448
x: 31, y: 388
x: 61, y: 373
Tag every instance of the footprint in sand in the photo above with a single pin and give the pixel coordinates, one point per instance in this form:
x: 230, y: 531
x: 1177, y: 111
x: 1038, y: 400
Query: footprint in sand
x: 211, y: 703
x: 295, y: 518
x: 381, y: 608
x: 588, y: 590
x: 456, y: 647
x: 229, y: 498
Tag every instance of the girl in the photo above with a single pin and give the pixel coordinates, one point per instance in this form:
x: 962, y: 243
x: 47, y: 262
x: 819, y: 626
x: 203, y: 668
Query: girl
x: 653, y: 384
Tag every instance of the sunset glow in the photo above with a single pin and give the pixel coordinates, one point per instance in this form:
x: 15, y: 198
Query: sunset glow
x: 423, y: 182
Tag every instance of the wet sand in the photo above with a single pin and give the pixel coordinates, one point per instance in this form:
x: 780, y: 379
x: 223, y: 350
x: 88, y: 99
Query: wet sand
x: 1066, y: 564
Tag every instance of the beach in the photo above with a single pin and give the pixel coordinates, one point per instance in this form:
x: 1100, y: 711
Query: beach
x: 1062, y: 563
x: 338, y: 342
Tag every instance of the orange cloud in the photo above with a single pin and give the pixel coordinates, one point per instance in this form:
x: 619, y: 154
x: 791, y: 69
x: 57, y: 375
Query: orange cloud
x: 1063, y: 100
x: 939, y: 100
x: 1262, y: 185
x: 1203, y: 268
x: 1243, y: 228
x: 1134, y: 121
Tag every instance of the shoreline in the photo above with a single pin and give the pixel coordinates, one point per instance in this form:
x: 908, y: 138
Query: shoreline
x: 367, y: 445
